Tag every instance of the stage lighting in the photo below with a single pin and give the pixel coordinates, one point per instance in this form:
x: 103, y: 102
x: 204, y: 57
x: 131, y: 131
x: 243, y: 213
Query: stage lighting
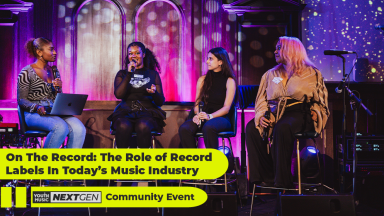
x: 309, y: 162
x: 311, y: 149
x: 228, y: 154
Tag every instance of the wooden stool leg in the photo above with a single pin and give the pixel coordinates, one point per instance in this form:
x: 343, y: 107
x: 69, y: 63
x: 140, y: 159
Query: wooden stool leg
x: 298, y: 165
x: 153, y: 147
x: 42, y: 142
x: 253, y: 197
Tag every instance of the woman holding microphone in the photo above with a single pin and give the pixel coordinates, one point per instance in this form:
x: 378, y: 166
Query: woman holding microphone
x: 36, y: 92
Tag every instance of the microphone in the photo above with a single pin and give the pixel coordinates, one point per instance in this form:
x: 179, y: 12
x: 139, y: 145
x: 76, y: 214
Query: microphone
x: 340, y: 88
x: 133, y: 67
x: 56, y: 74
x: 337, y: 52
x: 267, y: 115
x: 201, y: 104
x: 379, y: 27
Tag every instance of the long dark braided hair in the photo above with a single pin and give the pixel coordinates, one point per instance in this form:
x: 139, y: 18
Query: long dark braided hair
x: 150, y: 60
x: 226, y: 68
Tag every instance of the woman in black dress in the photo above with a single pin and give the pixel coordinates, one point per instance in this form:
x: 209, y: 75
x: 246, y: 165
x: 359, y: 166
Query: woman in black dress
x: 217, y: 90
x: 140, y: 90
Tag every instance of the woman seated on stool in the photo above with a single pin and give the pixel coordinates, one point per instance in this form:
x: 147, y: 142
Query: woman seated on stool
x: 140, y: 90
x: 295, y: 93
x: 36, y: 92
x: 217, y: 90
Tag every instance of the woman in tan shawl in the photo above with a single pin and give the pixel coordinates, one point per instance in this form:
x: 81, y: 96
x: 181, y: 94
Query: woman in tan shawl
x: 295, y: 94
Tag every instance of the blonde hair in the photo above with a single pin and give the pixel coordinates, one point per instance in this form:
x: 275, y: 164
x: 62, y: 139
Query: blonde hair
x: 294, y: 55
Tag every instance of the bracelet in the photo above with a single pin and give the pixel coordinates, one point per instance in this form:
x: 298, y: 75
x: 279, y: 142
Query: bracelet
x: 210, y: 116
x: 33, y: 108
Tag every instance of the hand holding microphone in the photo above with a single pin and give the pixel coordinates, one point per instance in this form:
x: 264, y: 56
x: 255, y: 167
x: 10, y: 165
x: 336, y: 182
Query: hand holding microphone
x: 132, y: 65
x: 57, y: 81
x: 201, y: 105
x: 203, y: 116
x: 58, y: 84
x: 264, y: 121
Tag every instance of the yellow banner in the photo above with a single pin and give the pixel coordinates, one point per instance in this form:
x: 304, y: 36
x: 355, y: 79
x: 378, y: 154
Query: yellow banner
x: 122, y: 197
x: 112, y: 164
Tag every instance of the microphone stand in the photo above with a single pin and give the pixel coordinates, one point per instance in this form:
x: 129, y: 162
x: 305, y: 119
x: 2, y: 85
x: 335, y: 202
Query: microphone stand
x: 343, y: 129
x: 355, y: 104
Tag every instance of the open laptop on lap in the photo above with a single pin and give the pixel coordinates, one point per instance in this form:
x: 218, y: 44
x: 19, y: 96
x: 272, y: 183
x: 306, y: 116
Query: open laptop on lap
x: 68, y: 104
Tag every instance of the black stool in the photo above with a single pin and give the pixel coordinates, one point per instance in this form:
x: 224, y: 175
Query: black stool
x: 27, y: 132
x: 225, y: 134
x: 301, y: 135
x: 153, y: 134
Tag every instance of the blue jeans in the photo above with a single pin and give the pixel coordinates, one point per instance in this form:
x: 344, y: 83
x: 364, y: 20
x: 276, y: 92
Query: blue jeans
x: 59, y: 128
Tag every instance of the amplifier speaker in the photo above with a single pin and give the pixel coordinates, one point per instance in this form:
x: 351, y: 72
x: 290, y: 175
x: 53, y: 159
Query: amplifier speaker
x: 372, y: 190
x: 341, y: 205
x: 223, y: 204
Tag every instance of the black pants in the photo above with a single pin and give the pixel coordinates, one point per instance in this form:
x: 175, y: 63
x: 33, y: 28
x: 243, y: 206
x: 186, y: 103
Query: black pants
x: 142, y: 126
x: 276, y: 166
x: 210, y: 130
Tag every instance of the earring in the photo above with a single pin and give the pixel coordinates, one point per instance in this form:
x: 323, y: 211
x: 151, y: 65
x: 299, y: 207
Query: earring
x: 42, y: 59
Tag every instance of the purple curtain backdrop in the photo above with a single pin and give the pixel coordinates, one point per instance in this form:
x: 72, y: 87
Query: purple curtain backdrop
x: 159, y: 26
x: 98, y: 49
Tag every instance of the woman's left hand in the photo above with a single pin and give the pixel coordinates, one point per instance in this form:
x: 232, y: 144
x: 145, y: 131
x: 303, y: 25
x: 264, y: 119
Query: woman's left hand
x: 203, y: 115
x: 314, y: 115
x: 57, y: 83
x: 152, y: 90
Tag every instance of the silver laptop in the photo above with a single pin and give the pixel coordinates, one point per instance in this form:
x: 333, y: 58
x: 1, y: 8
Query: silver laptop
x: 68, y: 104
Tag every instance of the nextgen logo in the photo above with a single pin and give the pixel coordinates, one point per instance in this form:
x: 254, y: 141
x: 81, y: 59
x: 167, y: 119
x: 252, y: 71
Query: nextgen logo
x: 67, y: 197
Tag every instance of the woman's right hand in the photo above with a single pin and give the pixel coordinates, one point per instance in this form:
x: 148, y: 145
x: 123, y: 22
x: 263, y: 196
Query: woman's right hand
x: 264, y: 122
x: 196, y: 119
x: 41, y: 110
x: 131, y: 65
